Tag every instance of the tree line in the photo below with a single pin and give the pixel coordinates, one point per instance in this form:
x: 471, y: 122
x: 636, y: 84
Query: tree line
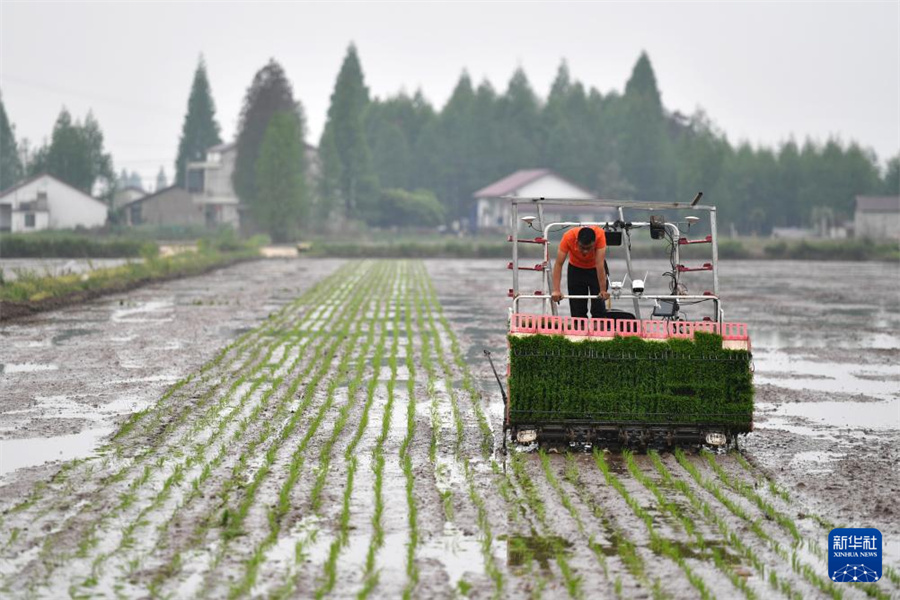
x: 402, y: 161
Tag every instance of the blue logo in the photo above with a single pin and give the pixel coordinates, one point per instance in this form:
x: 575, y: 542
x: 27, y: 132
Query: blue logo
x: 854, y: 555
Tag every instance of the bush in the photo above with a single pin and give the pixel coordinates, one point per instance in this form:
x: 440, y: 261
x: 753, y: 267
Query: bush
x: 400, y: 208
x: 857, y: 249
x: 627, y: 379
x: 70, y: 245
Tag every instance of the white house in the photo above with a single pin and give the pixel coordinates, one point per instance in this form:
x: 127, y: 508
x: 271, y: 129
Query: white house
x: 877, y: 217
x: 45, y: 202
x: 492, y: 212
x: 209, y: 183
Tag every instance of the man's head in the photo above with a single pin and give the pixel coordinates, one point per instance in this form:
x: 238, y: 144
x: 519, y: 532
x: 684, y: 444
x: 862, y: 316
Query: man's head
x: 586, y: 239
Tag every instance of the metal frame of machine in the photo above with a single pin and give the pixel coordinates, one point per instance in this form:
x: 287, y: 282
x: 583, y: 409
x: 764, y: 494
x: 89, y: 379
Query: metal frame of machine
x: 605, y: 429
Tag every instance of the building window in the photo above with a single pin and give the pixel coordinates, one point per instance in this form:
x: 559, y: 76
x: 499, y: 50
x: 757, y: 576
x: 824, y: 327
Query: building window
x: 29, y: 220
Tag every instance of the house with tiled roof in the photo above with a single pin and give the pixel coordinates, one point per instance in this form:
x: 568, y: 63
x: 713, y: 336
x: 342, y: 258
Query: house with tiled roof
x: 492, y: 211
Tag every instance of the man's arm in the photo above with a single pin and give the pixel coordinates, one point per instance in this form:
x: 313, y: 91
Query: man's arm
x: 601, y: 272
x: 561, y: 255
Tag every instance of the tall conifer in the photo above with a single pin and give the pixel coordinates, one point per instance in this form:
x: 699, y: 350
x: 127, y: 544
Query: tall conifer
x: 346, y: 140
x: 268, y: 94
x: 200, y: 130
x: 282, y: 202
x: 10, y: 166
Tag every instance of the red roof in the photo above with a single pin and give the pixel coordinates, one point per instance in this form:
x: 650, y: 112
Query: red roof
x: 511, y: 183
x: 878, y: 203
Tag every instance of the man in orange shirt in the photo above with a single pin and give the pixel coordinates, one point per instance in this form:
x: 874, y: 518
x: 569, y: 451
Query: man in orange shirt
x: 585, y: 248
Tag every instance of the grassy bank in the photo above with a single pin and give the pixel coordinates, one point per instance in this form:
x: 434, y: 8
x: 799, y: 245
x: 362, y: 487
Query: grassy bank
x: 72, y: 245
x: 729, y: 248
x: 32, y: 292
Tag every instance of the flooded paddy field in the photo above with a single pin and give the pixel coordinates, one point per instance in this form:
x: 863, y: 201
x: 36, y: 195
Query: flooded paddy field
x: 349, y: 446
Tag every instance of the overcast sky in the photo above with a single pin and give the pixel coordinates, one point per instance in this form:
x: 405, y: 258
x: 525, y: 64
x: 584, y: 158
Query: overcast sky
x: 763, y: 71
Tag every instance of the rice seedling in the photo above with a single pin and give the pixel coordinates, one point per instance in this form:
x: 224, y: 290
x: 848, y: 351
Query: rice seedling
x: 370, y: 574
x: 570, y: 507
x: 171, y: 424
x: 798, y: 566
x: 689, y: 527
x: 412, y: 571
x: 735, y: 541
x: 749, y: 493
x: 283, y: 506
x: 322, y: 358
x: 658, y: 544
x: 535, y: 502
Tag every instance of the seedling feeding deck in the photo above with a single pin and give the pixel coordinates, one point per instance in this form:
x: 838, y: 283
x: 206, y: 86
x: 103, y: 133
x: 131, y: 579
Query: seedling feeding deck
x: 669, y: 370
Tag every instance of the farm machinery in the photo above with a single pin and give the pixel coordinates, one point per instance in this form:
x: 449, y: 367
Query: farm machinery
x: 660, y: 368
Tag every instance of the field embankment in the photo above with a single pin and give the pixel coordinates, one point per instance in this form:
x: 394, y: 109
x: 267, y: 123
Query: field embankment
x: 729, y: 248
x: 30, y: 291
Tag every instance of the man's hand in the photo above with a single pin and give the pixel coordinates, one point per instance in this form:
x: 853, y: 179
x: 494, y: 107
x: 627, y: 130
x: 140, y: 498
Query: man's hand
x: 556, y: 296
x: 604, y: 295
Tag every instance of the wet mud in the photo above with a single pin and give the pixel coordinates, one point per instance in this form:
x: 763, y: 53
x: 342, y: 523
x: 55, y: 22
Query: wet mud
x: 350, y: 446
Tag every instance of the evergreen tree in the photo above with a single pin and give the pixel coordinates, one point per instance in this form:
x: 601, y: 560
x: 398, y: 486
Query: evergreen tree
x: 643, y: 143
x: 569, y: 146
x: 891, y: 184
x: 76, y: 155
x: 162, y: 182
x: 135, y: 181
x: 10, y: 165
x: 458, y: 152
x: 345, y: 129
x: 268, y: 94
x: 200, y: 130
x: 518, y: 114
x: 281, y: 204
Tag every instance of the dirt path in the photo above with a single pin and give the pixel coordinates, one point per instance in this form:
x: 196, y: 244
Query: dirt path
x: 345, y: 447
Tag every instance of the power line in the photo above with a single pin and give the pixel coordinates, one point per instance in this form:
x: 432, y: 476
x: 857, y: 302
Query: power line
x: 136, y: 106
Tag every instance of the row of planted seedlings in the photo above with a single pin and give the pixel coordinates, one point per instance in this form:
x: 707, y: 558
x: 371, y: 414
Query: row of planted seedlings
x: 285, y: 383
x: 225, y: 422
x: 697, y: 542
x: 291, y: 579
x: 659, y: 544
x: 704, y: 505
x: 248, y: 396
x: 276, y: 517
x: 376, y: 542
x: 324, y: 582
x: 145, y: 447
x: 784, y: 553
x: 778, y: 494
x: 804, y: 554
x: 217, y: 523
x: 462, y: 457
x: 524, y: 505
x: 245, y: 401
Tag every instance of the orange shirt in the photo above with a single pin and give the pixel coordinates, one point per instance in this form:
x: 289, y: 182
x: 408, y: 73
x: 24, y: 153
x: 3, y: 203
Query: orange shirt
x: 569, y: 243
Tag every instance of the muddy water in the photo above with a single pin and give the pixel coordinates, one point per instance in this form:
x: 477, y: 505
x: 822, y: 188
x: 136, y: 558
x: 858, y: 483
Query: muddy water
x: 68, y: 377
x: 826, y: 351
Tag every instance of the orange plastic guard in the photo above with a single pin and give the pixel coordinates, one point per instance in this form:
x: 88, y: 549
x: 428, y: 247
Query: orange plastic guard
x: 600, y: 328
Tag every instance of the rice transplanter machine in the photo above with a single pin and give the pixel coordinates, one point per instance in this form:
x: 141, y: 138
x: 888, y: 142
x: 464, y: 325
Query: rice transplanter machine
x: 661, y: 369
